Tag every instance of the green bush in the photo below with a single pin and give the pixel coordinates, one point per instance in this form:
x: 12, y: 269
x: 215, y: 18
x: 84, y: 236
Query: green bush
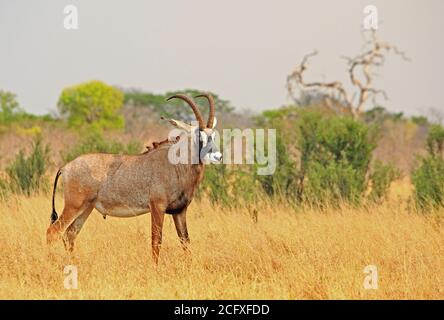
x: 435, y: 140
x: 230, y: 186
x: 332, y: 182
x: 335, y: 155
x: 92, y: 103
x: 94, y: 142
x: 322, y: 158
x: 283, y: 183
x: 27, y: 173
x: 382, y: 175
x: 331, y: 163
x: 216, y: 184
x: 428, y: 178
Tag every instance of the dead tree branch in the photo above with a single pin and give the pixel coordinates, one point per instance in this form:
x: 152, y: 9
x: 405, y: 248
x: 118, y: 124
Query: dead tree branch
x: 360, y: 69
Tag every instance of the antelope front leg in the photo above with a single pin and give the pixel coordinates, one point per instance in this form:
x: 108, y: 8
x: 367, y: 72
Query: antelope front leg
x: 157, y: 217
x: 180, y: 221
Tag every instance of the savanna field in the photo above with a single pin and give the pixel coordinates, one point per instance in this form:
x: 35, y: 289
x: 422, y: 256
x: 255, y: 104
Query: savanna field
x: 299, y: 165
x: 287, y: 254
x: 245, y: 244
x: 347, y: 195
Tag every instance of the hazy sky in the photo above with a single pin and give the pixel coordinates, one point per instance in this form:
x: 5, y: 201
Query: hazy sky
x: 241, y: 49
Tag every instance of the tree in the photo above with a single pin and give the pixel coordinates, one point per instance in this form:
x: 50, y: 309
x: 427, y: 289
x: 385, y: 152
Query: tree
x: 360, y: 75
x: 93, y: 103
x: 9, y: 106
x: 176, y: 109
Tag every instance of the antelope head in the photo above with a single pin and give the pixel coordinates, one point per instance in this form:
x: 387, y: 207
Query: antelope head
x: 208, y: 150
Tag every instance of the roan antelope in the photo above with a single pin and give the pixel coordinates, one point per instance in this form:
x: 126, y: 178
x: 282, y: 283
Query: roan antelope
x: 128, y: 186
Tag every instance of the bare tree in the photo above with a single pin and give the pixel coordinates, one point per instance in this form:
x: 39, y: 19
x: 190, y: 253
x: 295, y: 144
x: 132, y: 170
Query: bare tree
x: 360, y: 70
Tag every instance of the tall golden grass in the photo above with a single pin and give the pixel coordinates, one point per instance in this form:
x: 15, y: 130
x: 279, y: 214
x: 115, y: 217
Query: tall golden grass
x: 286, y: 254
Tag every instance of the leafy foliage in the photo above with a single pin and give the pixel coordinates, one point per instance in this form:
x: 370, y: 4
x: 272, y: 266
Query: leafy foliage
x: 176, y: 109
x: 215, y: 184
x: 9, y: 106
x: 420, y: 120
x: 428, y: 178
x: 94, y: 142
x: 229, y: 186
x: 435, y: 140
x: 92, y: 103
x: 381, y: 177
x: 284, y: 180
x: 335, y: 157
x: 322, y: 158
x: 27, y: 173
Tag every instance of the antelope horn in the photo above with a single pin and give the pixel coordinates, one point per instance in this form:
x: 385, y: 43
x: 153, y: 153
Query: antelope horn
x: 212, y: 108
x: 193, y: 106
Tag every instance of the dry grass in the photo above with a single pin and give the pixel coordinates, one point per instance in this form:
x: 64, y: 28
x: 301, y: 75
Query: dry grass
x: 285, y: 255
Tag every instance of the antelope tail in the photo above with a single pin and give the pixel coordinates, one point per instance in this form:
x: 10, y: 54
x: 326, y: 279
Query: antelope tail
x: 54, y: 215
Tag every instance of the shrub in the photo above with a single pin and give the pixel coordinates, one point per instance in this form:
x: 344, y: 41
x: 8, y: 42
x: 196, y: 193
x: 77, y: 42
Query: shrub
x: 283, y: 182
x: 382, y: 176
x: 335, y: 157
x: 435, y: 140
x: 332, y: 158
x: 322, y: 159
x: 216, y: 184
x: 332, y: 182
x: 428, y: 178
x: 420, y: 120
x: 27, y: 173
x: 95, y: 142
x: 230, y: 186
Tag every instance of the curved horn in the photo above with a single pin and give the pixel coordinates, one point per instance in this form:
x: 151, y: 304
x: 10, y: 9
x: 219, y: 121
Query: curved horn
x: 212, y: 108
x: 193, y: 106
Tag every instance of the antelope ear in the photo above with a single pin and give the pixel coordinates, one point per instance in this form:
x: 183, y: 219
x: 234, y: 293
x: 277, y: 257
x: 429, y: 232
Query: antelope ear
x: 214, y: 123
x: 180, y: 124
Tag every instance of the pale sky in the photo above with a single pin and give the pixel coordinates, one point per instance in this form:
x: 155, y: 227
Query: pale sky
x: 241, y: 49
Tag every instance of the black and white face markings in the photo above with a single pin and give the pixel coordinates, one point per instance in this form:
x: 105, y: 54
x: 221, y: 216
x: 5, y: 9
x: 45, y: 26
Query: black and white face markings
x: 208, y: 150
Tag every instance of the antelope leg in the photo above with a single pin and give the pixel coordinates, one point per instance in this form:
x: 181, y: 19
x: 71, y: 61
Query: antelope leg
x: 74, y: 228
x: 157, y: 217
x: 180, y: 221
x: 56, y: 229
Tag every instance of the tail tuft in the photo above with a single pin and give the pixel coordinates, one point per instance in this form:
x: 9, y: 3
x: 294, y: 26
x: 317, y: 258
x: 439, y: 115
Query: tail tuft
x: 54, y: 215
